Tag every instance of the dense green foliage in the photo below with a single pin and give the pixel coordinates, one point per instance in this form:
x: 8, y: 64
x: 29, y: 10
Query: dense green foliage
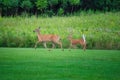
x: 102, y: 30
x: 53, y: 7
x: 40, y: 64
x: 26, y: 5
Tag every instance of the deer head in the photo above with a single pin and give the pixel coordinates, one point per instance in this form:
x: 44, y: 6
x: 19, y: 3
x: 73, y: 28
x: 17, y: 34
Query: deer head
x: 37, y: 30
x: 70, y: 36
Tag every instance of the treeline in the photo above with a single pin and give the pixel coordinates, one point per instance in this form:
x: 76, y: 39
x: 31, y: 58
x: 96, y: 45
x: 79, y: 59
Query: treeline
x: 55, y: 7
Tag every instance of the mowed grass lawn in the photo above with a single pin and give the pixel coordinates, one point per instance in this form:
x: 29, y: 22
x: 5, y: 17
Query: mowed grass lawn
x: 41, y: 64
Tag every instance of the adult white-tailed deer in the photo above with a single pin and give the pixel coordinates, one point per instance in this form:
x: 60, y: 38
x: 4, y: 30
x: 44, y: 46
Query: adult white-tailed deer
x: 55, y: 39
x: 80, y: 41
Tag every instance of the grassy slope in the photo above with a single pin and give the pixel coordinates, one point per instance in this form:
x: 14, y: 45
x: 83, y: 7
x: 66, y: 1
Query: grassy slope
x: 40, y: 64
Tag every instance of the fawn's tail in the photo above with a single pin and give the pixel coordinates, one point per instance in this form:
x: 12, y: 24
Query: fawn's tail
x: 84, y: 39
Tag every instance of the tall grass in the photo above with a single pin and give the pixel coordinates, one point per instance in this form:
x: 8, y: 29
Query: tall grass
x: 102, y: 30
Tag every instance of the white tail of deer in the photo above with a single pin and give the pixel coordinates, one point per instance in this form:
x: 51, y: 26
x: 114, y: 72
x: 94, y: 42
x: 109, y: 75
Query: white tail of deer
x: 83, y: 36
x: 81, y: 41
x: 55, y: 39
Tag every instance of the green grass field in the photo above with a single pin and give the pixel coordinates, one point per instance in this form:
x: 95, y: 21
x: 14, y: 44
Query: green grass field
x: 41, y: 64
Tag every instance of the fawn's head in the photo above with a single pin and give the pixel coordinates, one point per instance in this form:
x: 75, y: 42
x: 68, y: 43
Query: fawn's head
x: 69, y: 36
x: 37, y: 30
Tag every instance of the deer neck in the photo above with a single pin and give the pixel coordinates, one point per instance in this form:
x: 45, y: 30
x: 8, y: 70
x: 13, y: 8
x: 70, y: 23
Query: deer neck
x: 70, y: 39
x: 39, y: 36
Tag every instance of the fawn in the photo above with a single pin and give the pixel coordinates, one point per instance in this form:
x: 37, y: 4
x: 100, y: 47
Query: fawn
x: 80, y: 41
x: 55, y: 39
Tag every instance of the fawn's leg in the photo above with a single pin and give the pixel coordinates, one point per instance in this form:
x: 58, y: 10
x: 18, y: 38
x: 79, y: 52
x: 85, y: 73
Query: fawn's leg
x: 83, y: 44
x: 70, y: 46
x: 84, y: 47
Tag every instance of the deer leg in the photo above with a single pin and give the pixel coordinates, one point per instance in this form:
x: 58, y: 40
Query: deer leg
x: 60, y: 43
x: 36, y: 44
x: 44, y: 43
x: 74, y: 46
x: 84, y: 48
x: 70, y: 46
x: 53, y: 45
x: 83, y: 45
